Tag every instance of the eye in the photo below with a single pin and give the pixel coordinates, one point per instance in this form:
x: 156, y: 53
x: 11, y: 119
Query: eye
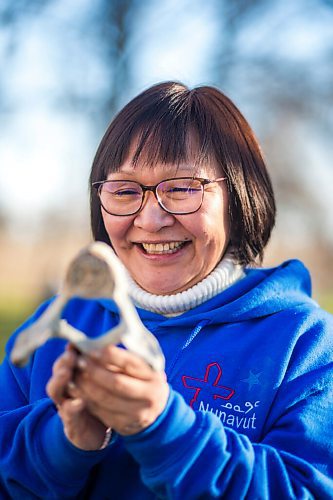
x: 179, y: 188
x: 125, y: 192
x: 121, y: 189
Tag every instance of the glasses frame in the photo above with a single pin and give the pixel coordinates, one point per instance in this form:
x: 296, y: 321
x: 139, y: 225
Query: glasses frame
x: 204, y: 182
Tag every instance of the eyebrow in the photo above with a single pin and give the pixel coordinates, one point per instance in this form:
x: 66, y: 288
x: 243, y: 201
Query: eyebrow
x: 125, y: 172
x: 132, y: 172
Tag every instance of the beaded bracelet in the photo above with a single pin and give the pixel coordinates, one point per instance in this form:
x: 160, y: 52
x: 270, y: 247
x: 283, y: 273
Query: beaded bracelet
x: 107, y: 438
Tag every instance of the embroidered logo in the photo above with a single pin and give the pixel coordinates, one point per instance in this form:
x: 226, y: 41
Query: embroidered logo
x: 210, y: 382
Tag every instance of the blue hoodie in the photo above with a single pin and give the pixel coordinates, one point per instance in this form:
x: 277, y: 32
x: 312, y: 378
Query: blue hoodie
x: 250, y: 411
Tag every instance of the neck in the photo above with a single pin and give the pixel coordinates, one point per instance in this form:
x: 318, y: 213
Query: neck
x: 226, y: 273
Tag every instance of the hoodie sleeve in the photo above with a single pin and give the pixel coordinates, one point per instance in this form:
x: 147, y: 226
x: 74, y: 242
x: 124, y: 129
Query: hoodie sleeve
x: 36, y: 459
x: 188, y: 454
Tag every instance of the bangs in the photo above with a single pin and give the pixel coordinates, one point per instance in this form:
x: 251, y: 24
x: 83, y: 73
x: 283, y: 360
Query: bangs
x: 171, y: 142
x: 168, y: 127
x: 165, y: 144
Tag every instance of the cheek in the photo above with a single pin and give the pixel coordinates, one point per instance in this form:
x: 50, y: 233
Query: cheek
x: 116, y: 227
x: 212, y: 224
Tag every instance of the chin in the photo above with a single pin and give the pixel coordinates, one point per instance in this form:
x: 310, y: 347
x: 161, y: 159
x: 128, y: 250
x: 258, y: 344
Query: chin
x: 158, y: 290
x: 165, y: 289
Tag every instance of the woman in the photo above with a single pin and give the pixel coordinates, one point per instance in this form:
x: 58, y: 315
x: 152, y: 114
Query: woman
x: 180, y: 190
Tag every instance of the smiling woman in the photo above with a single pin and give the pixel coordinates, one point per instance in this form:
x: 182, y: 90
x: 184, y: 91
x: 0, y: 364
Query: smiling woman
x: 185, y: 136
x: 181, y: 192
x: 191, y: 133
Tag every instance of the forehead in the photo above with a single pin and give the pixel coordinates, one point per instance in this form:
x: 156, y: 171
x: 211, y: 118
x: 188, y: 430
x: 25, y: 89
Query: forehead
x: 160, y: 170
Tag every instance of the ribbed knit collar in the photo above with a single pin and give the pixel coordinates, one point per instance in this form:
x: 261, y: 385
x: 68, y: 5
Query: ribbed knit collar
x: 224, y: 275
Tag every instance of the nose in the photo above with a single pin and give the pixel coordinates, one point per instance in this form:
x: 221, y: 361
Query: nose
x: 152, y: 217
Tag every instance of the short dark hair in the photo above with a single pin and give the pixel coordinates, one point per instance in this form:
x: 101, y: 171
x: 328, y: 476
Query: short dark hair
x: 159, y: 122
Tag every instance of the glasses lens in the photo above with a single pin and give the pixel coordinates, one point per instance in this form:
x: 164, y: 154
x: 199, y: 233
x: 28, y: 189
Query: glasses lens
x: 121, y: 197
x: 181, y: 196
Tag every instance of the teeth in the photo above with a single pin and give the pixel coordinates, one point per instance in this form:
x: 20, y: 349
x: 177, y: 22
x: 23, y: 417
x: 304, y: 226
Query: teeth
x: 170, y: 247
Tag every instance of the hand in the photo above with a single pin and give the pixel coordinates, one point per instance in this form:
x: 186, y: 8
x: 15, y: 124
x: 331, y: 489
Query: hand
x: 81, y: 428
x: 120, y: 389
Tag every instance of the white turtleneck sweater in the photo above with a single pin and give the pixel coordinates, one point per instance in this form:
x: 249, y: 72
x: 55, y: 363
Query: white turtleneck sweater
x: 226, y: 273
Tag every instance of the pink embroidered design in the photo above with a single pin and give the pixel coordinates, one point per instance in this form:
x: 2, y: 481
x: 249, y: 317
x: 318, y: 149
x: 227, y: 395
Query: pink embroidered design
x: 197, y: 384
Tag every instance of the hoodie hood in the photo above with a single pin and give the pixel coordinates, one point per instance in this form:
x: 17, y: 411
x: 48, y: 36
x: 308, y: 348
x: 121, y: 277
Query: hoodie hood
x: 260, y: 293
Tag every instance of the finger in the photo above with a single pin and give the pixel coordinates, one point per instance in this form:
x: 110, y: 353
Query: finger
x: 62, y: 373
x: 120, y: 413
x: 66, y: 361
x: 124, y: 360
x: 125, y: 417
x: 70, y: 409
x: 56, y: 386
x: 112, y: 407
x: 70, y: 412
x: 126, y: 386
x: 97, y: 382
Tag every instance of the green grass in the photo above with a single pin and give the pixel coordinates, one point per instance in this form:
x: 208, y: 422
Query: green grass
x: 326, y: 301
x: 12, y: 314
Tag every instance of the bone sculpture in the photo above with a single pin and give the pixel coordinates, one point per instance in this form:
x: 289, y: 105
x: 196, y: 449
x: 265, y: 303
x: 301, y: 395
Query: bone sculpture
x: 96, y: 272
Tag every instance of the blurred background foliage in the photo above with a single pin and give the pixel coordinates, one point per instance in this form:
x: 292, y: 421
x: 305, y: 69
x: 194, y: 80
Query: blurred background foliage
x: 66, y: 67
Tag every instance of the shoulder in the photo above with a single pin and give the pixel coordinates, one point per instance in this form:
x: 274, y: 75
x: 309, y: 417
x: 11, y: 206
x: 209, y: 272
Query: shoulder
x: 315, y: 332
x: 305, y: 332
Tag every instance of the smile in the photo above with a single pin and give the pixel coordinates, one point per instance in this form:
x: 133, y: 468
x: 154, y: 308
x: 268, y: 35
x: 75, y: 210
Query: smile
x: 162, y: 248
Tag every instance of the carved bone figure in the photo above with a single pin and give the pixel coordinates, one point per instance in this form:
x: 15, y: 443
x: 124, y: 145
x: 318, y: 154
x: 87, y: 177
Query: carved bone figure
x: 96, y: 272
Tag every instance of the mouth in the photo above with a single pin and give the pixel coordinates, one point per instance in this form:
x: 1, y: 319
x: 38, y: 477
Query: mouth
x: 162, y: 247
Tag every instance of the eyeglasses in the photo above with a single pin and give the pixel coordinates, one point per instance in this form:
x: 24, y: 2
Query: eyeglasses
x: 182, y: 195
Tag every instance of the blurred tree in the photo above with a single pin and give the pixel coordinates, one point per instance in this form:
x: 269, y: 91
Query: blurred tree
x: 246, y: 58
x: 107, y: 30
x: 12, y: 16
x: 11, y: 13
x: 270, y: 61
x: 255, y: 61
x: 112, y: 28
x: 103, y: 31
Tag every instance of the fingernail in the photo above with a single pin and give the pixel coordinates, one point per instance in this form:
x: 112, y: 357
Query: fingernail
x: 77, y: 403
x: 71, y: 386
x: 82, y: 363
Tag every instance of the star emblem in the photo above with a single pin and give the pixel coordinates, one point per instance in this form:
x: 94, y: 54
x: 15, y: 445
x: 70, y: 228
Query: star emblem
x: 252, y: 379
